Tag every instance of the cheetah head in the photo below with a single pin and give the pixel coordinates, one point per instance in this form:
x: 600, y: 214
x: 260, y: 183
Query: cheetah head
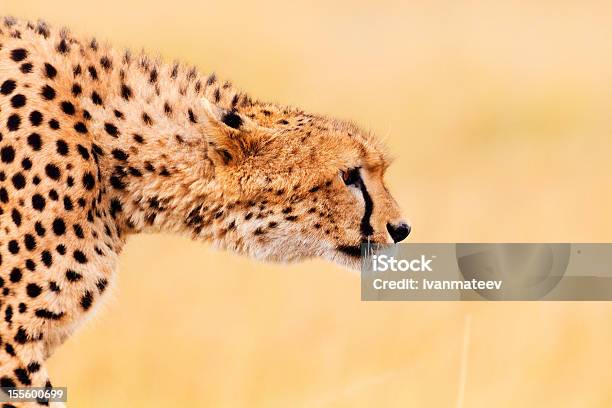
x: 309, y: 186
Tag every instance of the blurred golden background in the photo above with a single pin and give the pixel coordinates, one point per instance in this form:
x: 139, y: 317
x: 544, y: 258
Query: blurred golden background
x: 498, y: 115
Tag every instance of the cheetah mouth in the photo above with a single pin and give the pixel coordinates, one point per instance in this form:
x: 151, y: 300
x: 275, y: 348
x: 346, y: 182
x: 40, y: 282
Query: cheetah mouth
x: 353, y: 251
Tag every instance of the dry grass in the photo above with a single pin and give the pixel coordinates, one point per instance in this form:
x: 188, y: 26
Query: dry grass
x: 498, y: 114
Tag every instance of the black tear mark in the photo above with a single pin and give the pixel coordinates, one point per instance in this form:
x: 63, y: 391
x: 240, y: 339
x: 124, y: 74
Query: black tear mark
x: 366, y: 227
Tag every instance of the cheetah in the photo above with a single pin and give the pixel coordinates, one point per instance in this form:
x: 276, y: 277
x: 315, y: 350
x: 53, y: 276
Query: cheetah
x: 97, y: 144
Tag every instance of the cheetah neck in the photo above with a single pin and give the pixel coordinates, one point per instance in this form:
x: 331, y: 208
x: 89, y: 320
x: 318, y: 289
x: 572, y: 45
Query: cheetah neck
x: 156, y: 171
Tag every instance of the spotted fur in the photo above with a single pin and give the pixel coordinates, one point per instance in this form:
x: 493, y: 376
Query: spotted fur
x: 98, y: 144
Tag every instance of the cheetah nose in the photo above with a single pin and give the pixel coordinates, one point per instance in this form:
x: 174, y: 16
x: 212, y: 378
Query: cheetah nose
x: 398, y: 232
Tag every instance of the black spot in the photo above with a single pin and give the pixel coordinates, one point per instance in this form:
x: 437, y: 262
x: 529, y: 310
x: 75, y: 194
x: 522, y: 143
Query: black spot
x: 46, y: 258
x: 87, y: 300
x: 118, y: 115
x: 8, y: 314
x: 33, y: 290
x: 16, y: 216
x: 83, y: 152
x: 34, y: 141
x: 11, y: 352
x: 67, y: 108
x: 40, y: 230
x: 97, y: 150
x: 59, y: 227
x: 18, y: 181
x: 62, y: 147
x: 117, y: 183
x: 138, y: 139
x: 38, y: 202
x: 15, y: 275
x: 26, y: 163
x: 68, y: 204
x: 147, y: 119
x: 62, y: 47
x: 19, y: 54
x: 18, y: 101
x: 115, y: 207
x: 47, y: 314
x: 80, y: 257
x: 111, y: 129
x: 232, y: 120
x: 13, y: 247
x: 7, y: 382
x: 76, y: 90
x: 78, y: 231
x: 258, y: 231
x: 30, y: 264
x: 8, y: 87
x: 34, y: 366
x: 50, y: 71
x: 106, y: 63
x: 88, y: 181
x: 134, y: 171
x: 101, y: 285
x: 36, y: 118
x: 23, y: 307
x: 26, y: 68
x: 126, y: 92
x: 23, y: 376
x: 53, y: 195
x: 7, y: 154
x: 30, y: 242
x: 119, y: 154
x: 54, y: 287
x: 3, y: 195
x: 96, y: 99
x: 48, y: 93
x: 192, y: 116
x: 54, y: 124
x: 53, y: 172
x: 73, y: 276
x: 153, y: 76
x: 80, y: 127
x: 13, y: 122
x: 93, y: 73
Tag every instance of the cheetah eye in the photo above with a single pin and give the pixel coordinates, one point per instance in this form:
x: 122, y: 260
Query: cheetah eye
x: 351, y: 177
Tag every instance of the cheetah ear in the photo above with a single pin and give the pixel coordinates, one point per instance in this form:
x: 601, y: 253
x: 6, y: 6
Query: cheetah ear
x: 231, y: 136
